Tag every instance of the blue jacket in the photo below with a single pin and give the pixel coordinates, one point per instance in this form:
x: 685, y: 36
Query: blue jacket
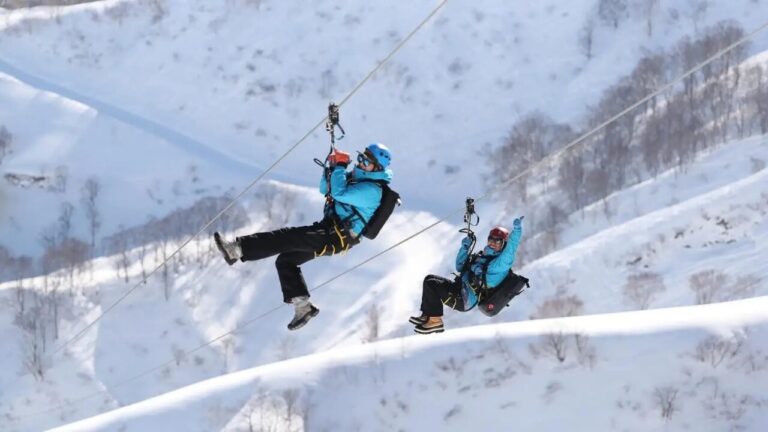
x: 348, y: 190
x: 498, y: 267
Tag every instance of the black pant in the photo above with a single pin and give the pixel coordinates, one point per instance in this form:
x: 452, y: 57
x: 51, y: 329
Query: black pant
x: 438, y: 291
x: 296, y: 246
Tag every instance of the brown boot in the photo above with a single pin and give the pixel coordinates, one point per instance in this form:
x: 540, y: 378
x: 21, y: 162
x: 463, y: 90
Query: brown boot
x: 433, y: 325
x: 418, y: 319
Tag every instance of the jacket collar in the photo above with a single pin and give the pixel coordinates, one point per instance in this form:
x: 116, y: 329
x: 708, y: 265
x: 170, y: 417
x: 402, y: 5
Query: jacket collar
x: 358, y: 174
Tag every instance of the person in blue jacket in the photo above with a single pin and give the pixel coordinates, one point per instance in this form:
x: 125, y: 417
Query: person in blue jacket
x: 351, y: 199
x: 483, y: 270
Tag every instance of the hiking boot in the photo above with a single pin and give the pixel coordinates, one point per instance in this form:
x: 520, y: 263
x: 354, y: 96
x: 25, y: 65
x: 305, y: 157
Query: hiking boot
x: 231, y: 250
x: 433, y: 325
x: 417, y: 320
x: 305, y: 311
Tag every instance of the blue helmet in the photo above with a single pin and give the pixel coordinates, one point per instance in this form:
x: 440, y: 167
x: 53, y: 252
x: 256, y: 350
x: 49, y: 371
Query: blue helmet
x: 381, y: 153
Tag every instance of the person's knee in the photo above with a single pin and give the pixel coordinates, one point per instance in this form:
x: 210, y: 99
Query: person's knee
x: 282, y: 261
x: 430, y: 281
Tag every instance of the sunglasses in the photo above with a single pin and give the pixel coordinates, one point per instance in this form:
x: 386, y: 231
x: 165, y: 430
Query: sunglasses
x: 495, y: 240
x: 364, y: 160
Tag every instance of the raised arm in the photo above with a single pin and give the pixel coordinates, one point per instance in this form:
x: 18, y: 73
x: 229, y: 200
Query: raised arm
x: 506, y: 258
x: 463, y: 255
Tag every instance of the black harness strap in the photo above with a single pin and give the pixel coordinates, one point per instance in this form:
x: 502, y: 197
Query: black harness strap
x: 480, y: 290
x: 355, y: 211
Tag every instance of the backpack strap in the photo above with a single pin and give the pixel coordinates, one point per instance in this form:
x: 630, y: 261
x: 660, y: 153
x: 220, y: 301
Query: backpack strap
x: 483, y: 277
x: 482, y: 290
x: 485, y: 274
x: 356, y: 212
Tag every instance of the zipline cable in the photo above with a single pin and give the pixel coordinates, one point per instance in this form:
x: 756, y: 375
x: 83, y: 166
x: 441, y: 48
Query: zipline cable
x: 252, y: 184
x: 556, y: 154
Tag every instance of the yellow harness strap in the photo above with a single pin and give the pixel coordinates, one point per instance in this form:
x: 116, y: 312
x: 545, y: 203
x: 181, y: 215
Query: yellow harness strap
x: 322, y: 252
x: 445, y: 302
x: 342, y: 239
x: 338, y: 233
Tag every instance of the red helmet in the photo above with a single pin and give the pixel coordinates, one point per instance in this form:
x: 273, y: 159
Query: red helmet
x: 499, y: 232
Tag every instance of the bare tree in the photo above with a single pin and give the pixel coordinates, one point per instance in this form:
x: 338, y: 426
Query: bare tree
x: 666, y: 399
x: 571, y: 179
x: 22, y: 268
x: 373, y: 323
x: 714, y: 350
x: 165, y: 246
x: 586, y: 354
x: 117, y: 245
x: 642, y: 288
x: 73, y: 254
x: 142, y: 250
x: 159, y: 9
x: 698, y: 12
x: 89, y: 194
x: 6, y: 263
x: 649, y: 10
x: 759, y: 96
x: 61, y: 177
x: 597, y: 183
x: 651, y: 143
x: 277, y: 203
x: 292, y: 399
x: 553, y: 344
x: 33, y: 323
x: 614, y: 157
x: 530, y: 140
x: 587, y: 37
x: 6, y: 139
x: 612, y: 12
x: 65, y: 221
x: 559, y: 306
x: 743, y: 287
x: 648, y: 76
x: 707, y: 285
x: 549, y: 230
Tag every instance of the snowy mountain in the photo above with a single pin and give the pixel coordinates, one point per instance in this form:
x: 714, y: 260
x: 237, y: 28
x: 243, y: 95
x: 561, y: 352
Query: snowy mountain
x: 453, y: 90
x: 700, y: 368
x: 174, y: 107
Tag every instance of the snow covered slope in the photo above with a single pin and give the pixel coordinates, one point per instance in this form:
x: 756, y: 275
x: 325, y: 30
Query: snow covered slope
x: 137, y: 97
x: 677, y: 241
x: 57, y: 138
x: 701, y: 368
x: 244, y: 79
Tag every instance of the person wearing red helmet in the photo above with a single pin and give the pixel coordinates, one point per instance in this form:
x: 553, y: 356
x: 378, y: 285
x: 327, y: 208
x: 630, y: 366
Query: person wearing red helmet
x: 484, y: 270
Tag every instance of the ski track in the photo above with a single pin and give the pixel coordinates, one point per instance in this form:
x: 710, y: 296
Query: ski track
x: 172, y: 136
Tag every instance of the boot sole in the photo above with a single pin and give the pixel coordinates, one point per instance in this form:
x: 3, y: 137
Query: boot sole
x: 416, y: 321
x: 439, y: 329
x: 309, y: 316
x: 220, y: 246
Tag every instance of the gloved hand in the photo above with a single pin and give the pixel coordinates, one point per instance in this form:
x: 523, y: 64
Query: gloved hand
x: 468, y: 240
x: 338, y: 158
x: 518, y: 222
